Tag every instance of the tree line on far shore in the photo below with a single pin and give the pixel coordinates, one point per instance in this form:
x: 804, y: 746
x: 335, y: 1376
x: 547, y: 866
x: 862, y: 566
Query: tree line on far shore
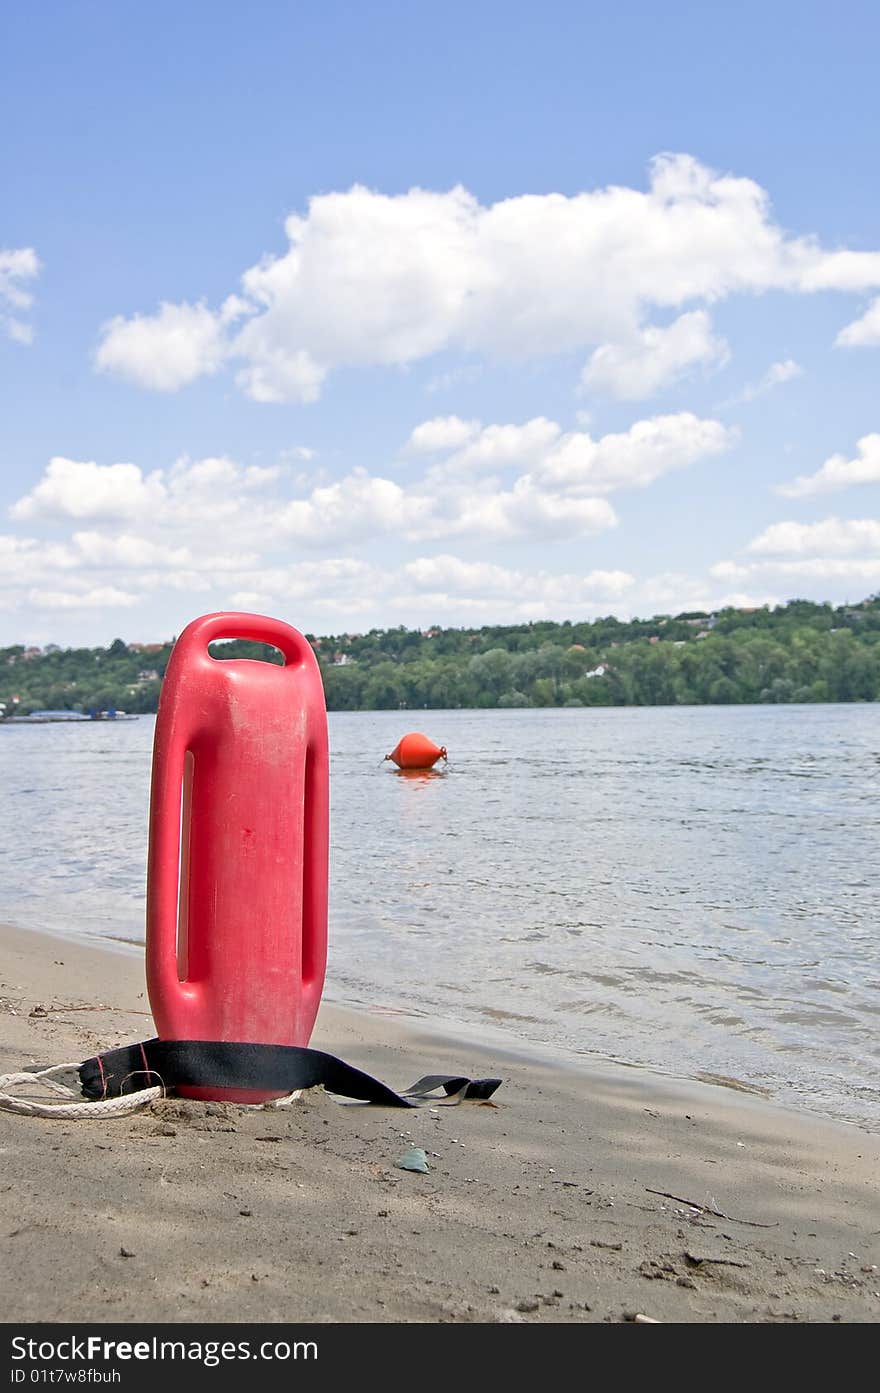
x: 798, y: 652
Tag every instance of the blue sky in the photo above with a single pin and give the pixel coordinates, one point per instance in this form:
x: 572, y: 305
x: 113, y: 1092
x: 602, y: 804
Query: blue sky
x: 375, y: 314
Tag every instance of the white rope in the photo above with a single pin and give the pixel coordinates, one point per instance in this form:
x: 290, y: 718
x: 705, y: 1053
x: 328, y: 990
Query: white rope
x: 77, y: 1111
x: 42, y: 1076
x: 288, y: 1099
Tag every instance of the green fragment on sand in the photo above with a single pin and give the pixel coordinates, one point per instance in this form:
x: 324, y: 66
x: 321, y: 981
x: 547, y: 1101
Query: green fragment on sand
x: 413, y: 1160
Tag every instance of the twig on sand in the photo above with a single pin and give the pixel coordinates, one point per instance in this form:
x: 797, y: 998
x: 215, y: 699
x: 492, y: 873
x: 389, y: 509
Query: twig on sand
x: 710, y: 1209
x: 40, y: 1010
x: 694, y: 1260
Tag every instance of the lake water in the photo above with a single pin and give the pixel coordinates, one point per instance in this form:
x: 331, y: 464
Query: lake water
x: 693, y: 889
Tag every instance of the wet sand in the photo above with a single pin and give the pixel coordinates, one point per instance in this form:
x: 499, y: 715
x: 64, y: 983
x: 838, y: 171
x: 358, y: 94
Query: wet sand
x: 545, y: 1207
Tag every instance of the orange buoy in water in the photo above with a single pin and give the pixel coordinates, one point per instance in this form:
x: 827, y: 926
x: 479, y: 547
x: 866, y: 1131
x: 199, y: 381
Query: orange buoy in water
x: 416, y: 751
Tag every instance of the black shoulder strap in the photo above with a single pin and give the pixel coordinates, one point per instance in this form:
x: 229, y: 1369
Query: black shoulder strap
x: 226, y: 1064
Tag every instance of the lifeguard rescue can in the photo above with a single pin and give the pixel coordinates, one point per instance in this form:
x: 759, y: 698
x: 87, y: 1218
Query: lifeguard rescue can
x: 237, y: 867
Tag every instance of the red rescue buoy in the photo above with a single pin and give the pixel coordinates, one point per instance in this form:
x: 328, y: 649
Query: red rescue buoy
x: 416, y: 751
x: 237, y: 872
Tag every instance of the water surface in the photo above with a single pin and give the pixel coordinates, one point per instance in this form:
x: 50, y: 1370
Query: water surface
x: 690, y: 888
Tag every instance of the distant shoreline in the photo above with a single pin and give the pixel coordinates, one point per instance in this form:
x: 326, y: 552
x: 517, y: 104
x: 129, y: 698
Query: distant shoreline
x: 800, y: 652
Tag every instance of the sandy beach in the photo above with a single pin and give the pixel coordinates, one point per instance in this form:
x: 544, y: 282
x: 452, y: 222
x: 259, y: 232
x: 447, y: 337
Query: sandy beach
x: 583, y: 1194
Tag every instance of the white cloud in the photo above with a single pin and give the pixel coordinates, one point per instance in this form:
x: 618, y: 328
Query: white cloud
x: 775, y: 376
x: 362, y: 507
x: 560, y: 477
x: 440, y: 433
x: 329, y: 586
x: 277, y: 375
x: 355, y: 508
x: 633, y: 458
x: 251, y: 536
x: 862, y: 571
x: 730, y: 570
x: 843, y: 270
x: 257, y: 476
x: 126, y: 552
x: 500, y: 447
x: 833, y: 551
x: 370, y: 279
x: 747, y: 599
x: 17, y: 330
x: 451, y: 573
x: 608, y: 584
x: 219, y: 530
x: 779, y: 372
x: 446, y: 574
x: 865, y: 569
x: 169, y: 349
x: 454, y: 377
x: 864, y: 332
x: 436, y: 587
x: 655, y: 357
x: 574, y: 464
x: 672, y: 592
x: 83, y: 489
x: 508, y: 482
x: 100, y: 597
x: 838, y: 472
x: 524, y: 512
x: 23, y: 560
x: 832, y: 536
x: 213, y: 499
x: 17, y: 268
x: 191, y: 582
